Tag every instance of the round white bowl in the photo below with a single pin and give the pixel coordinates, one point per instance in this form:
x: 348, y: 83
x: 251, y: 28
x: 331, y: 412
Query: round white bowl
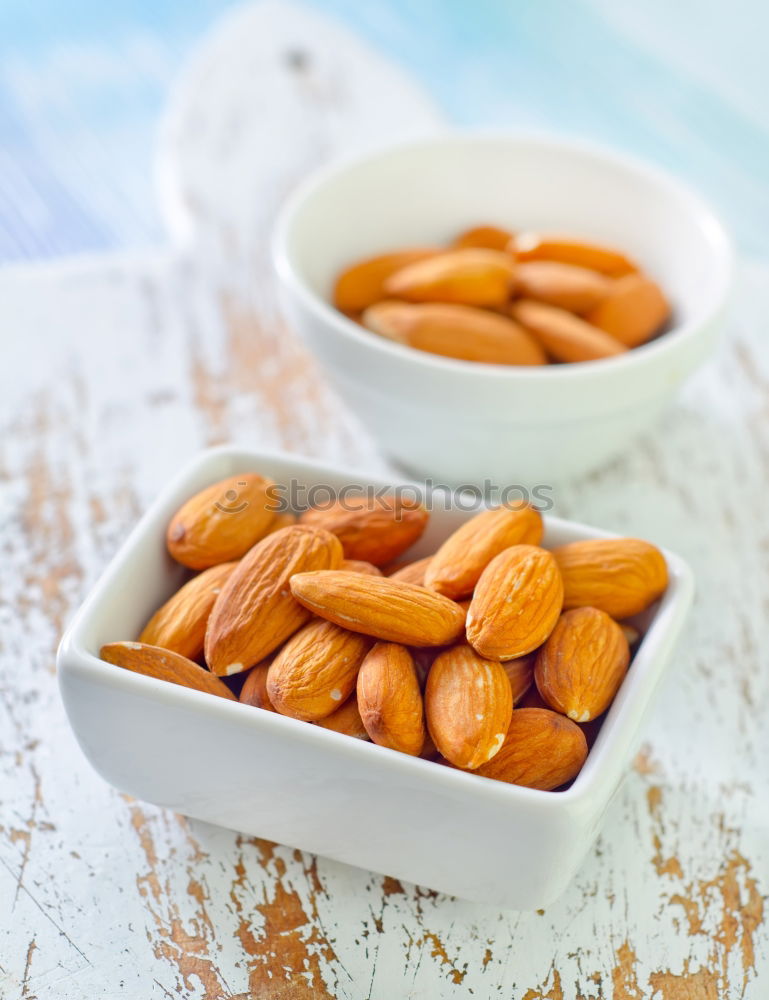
x: 461, y: 421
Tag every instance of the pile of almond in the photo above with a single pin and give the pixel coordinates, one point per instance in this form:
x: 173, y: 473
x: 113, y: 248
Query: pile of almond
x: 503, y: 298
x: 490, y: 655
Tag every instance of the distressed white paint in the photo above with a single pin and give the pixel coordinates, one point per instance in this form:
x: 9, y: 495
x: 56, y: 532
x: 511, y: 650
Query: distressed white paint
x: 118, y: 371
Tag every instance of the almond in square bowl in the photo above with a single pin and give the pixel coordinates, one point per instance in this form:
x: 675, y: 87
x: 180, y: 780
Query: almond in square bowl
x: 320, y: 790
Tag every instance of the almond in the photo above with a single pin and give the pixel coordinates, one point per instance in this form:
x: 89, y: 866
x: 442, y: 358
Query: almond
x: 473, y: 277
x: 413, y: 572
x: 539, y: 246
x: 633, y: 311
x: 165, y: 665
x: 581, y: 666
x: 490, y: 237
x: 372, y: 529
x: 455, y: 331
x: 621, y: 576
x: 255, y: 611
x: 180, y: 624
x: 516, y: 603
x: 360, y: 566
x: 361, y: 285
x: 468, y: 703
x: 283, y: 520
x: 564, y: 336
x: 254, y: 690
x: 542, y: 750
x: 315, y: 672
x: 222, y: 522
x: 456, y: 567
x: 380, y: 607
x: 346, y: 720
x: 389, y: 699
x: 520, y: 673
x: 577, y: 289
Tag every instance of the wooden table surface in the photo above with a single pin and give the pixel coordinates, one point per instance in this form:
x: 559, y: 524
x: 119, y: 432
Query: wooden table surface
x: 119, y: 369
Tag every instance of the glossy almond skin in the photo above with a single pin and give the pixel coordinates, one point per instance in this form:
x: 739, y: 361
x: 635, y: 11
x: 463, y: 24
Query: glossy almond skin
x: 381, y: 607
x: 567, y: 286
x: 390, y: 700
x: 254, y: 690
x: 360, y: 566
x: 165, y: 665
x: 520, y: 673
x: 468, y: 705
x: 314, y: 673
x: 375, y: 530
x: 563, y: 336
x: 621, y: 576
x: 456, y: 567
x: 473, y: 277
x: 346, y: 720
x: 490, y: 237
x: 362, y: 284
x: 542, y: 246
x: 455, y: 331
x: 180, y: 624
x: 581, y: 666
x: 222, y: 522
x: 542, y: 750
x: 633, y: 311
x: 516, y: 603
x: 255, y: 611
x: 412, y: 572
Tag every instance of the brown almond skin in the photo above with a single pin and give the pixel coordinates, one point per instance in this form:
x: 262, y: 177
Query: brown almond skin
x: 165, y: 665
x: 473, y: 277
x: 489, y: 237
x: 577, y: 289
x: 563, y: 336
x: 360, y: 566
x: 633, y: 311
x: 282, y: 520
x: 456, y: 567
x: 315, y: 672
x: 362, y: 284
x: 581, y: 666
x: 346, y: 720
x: 567, y: 250
x: 412, y: 572
x: 254, y: 690
x: 455, y: 331
x: 375, y: 531
x: 516, y: 603
x: 255, y: 611
x: 380, y: 607
x: 180, y: 623
x: 221, y: 523
x: 389, y: 699
x: 621, y: 576
x: 468, y: 705
x: 520, y: 673
x: 542, y: 750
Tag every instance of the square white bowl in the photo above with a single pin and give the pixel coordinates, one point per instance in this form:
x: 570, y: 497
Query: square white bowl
x: 313, y: 789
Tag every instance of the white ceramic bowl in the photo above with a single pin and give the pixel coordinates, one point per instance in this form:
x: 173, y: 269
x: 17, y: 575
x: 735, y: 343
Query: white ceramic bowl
x: 310, y: 788
x: 460, y: 421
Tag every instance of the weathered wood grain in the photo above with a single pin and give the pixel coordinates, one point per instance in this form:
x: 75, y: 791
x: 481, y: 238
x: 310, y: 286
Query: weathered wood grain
x: 117, y: 371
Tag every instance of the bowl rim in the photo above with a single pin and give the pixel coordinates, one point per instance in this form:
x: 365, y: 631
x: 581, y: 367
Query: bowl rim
x: 605, y: 764
x: 720, y: 249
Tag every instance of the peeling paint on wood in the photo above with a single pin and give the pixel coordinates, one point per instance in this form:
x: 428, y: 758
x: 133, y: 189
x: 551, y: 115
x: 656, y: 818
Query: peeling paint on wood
x: 119, y: 371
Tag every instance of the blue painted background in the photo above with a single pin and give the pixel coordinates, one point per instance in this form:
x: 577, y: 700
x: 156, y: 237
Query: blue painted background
x: 682, y: 82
